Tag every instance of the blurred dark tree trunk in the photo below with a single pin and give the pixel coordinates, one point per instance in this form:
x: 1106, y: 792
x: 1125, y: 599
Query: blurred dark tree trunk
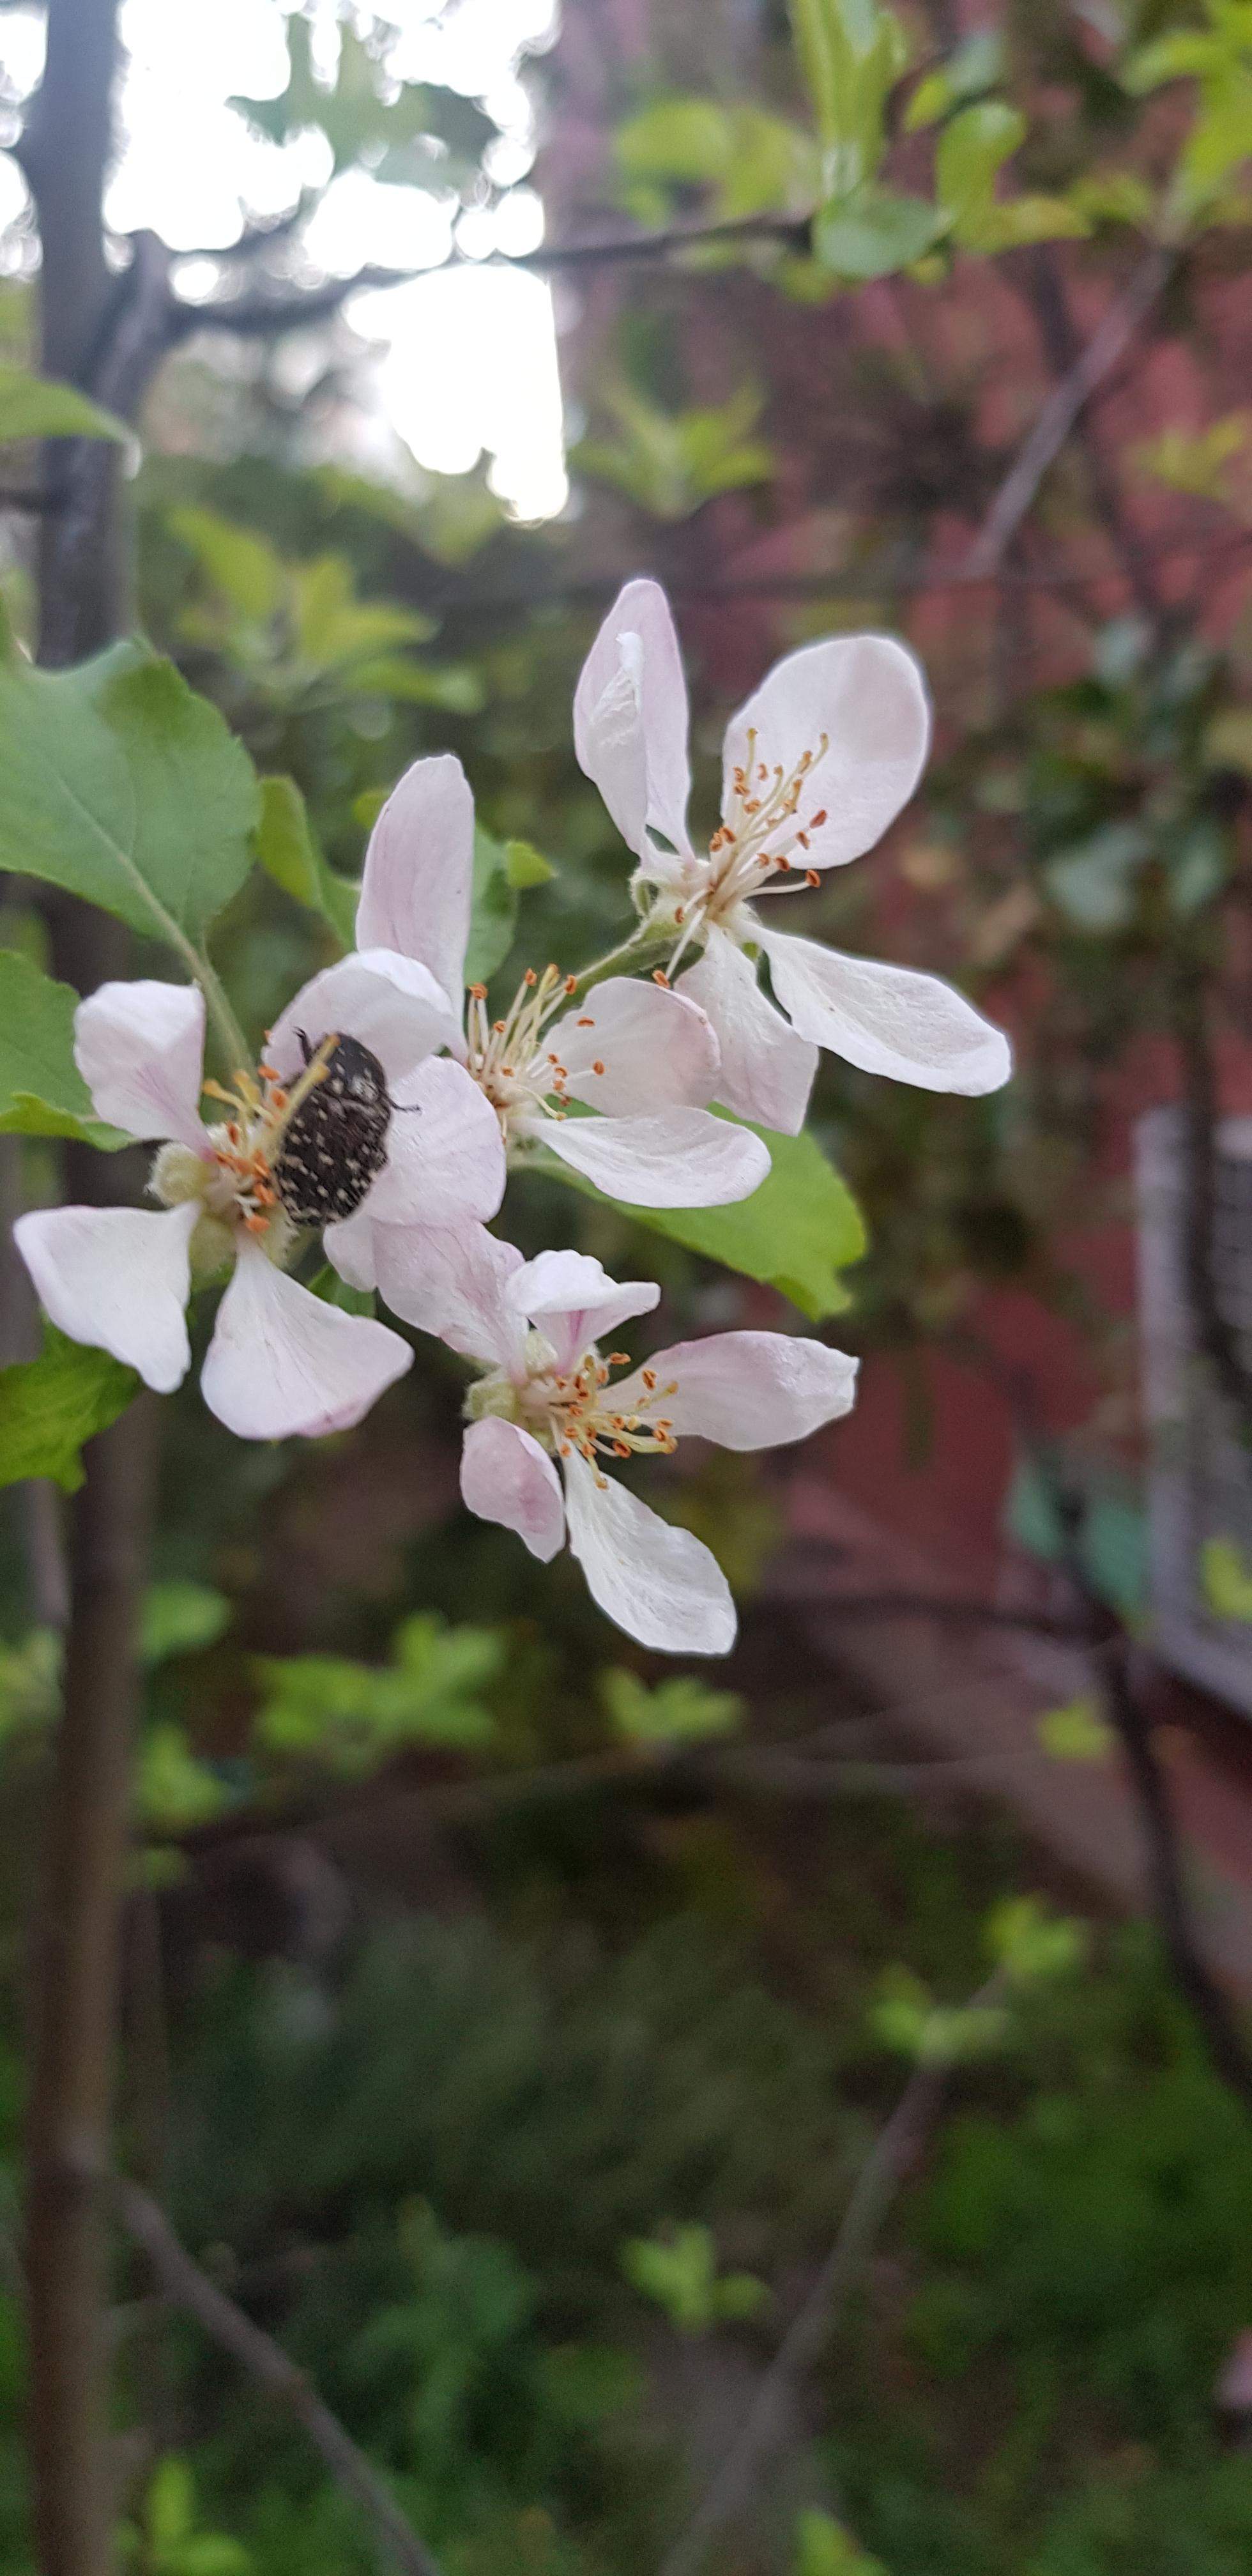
x: 83, y: 603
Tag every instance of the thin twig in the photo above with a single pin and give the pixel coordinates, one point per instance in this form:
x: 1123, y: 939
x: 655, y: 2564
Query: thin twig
x: 187, y: 2287
x: 1219, y: 1339
x: 885, y: 2169
x: 1106, y: 347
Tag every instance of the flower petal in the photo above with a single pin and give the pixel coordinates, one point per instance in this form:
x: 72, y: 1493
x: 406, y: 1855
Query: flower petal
x: 868, y: 697
x: 419, y: 867
x: 681, y: 1158
x: 660, y: 1584
x: 507, y: 1477
x: 767, y: 1071
x: 283, y: 1364
x: 117, y: 1278
x: 445, y: 1153
x: 572, y: 1298
x: 630, y: 718
x: 746, y: 1390
x: 391, y: 1003
x: 655, y: 1048
x: 453, y: 1282
x: 140, y: 1050
x: 887, y: 1019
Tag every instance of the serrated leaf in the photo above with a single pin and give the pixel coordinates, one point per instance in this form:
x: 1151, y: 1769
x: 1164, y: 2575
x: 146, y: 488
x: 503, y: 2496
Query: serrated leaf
x: 796, y: 1233
x: 119, y: 784
x: 876, y: 232
x: 493, y: 912
x: 1226, y: 1579
x: 289, y: 854
x: 35, y: 407
x: 42, y: 1092
x: 50, y: 1406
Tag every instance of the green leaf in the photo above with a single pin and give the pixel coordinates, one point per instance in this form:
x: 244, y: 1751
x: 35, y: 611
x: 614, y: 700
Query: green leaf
x: 42, y: 1092
x: 175, y: 1791
x: 451, y: 686
x: 1113, y: 1537
x: 682, y: 1711
x: 348, y: 1718
x: 1075, y: 1733
x: 121, y: 785
x: 289, y: 854
x: 1033, y: 1945
x: 679, y: 2272
x: 179, y: 1618
x: 33, y: 407
x: 1226, y: 1579
x: 1094, y: 881
x: 50, y: 1406
x: 796, y: 1233
x: 243, y: 566
x: 170, y: 2503
x: 972, y: 150
x: 875, y: 232
x: 824, y: 2548
x: 493, y: 913
x: 526, y: 866
x: 976, y: 65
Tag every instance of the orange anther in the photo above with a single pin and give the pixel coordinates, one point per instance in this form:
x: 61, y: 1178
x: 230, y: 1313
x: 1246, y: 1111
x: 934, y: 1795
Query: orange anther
x: 597, y: 1066
x: 478, y: 992
x: 815, y: 819
x: 660, y: 977
x: 584, y: 1023
x: 530, y: 976
x: 812, y: 877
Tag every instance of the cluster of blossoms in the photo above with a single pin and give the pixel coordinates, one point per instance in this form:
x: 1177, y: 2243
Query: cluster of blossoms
x: 389, y: 1107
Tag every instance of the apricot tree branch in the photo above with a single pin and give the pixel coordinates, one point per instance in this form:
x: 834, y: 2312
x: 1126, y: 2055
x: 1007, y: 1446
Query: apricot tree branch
x: 1103, y: 352
x: 190, y: 2289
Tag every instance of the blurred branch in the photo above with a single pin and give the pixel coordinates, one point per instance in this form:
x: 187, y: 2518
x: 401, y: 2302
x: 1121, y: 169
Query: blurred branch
x: 187, y: 2287
x: 1218, y: 1337
x: 895, y: 577
x: 885, y: 2170
x: 266, y: 315
x: 1062, y: 344
x: 1103, y: 352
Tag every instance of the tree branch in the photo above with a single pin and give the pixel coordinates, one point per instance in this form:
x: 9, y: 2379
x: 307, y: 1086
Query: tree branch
x: 885, y: 2169
x: 267, y: 314
x: 1103, y: 352
x: 190, y: 2289
x: 1219, y: 1339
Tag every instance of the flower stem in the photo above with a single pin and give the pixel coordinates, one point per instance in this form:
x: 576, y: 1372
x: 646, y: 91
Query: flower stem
x: 643, y: 943
x: 234, y: 1045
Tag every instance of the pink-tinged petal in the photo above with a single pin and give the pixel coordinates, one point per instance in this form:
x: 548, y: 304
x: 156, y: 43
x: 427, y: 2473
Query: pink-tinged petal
x: 140, y: 1050
x: 680, y: 1158
x: 453, y: 1282
x: 118, y: 1279
x: 630, y: 718
x: 507, y: 1477
x: 351, y: 1246
x: 283, y: 1364
x: 767, y: 1071
x: 660, y: 1584
x: 745, y: 1390
x: 445, y: 1153
x: 887, y: 1019
x: 867, y: 696
x: 632, y: 1047
x: 571, y: 1297
x: 392, y: 1004
x: 419, y: 868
